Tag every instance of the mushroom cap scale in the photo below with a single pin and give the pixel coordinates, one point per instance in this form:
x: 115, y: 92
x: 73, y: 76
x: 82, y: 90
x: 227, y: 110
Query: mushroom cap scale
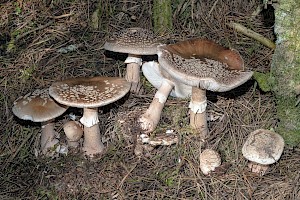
x: 37, y: 106
x: 263, y: 146
x: 89, y: 92
x: 136, y: 41
x: 201, y: 72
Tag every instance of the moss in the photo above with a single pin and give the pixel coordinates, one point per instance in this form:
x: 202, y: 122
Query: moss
x: 263, y: 80
x: 162, y: 16
x: 289, y: 126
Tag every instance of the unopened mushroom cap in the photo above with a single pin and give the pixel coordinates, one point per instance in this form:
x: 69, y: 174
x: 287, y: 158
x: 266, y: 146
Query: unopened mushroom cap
x: 89, y: 92
x: 263, y: 147
x: 209, y: 161
x: 209, y: 67
x: 155, y: 76
x: 73, y: 130
x: 37, y: 106
x: 137, y: 41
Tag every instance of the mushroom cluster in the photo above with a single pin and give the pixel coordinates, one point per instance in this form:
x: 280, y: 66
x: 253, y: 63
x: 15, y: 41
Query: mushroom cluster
x: 186, y: 69
x: 189, y: 68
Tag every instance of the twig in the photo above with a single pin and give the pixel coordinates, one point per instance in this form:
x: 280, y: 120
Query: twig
x: 242, y: 29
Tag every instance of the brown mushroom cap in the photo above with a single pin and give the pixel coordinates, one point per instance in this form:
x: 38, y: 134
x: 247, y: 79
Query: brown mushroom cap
x: 203, y: 64
x: 136, y: 41
x: 37, y: 106
x: 89, y: 92
x: 263, y: 147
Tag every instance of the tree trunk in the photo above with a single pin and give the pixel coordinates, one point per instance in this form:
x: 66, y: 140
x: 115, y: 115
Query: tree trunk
x: 286, y: 69
x: 162, y: 16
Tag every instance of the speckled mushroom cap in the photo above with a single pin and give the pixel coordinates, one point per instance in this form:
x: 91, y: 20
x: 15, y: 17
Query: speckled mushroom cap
x: 203, y: 64
x: 263, y: 147
x: 89, y: 92
x: 155, y: 76
x: 37, y: 106
x: 137, y: 41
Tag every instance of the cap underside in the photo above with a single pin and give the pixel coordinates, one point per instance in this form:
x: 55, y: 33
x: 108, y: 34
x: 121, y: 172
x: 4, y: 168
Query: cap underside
x: 204, y: 73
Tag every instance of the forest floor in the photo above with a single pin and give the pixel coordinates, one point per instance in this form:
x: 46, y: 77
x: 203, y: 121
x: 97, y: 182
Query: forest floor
x: 34, y: 38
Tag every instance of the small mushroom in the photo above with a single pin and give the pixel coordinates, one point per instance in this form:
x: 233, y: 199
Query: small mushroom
x: 203, y: 65
x: 74, y: 132
x: 209, y: 161
x: 165, y: 85
x: 89, y: 94
x: 38, y: 106
x: 262, y: 148
x: 135, y: 42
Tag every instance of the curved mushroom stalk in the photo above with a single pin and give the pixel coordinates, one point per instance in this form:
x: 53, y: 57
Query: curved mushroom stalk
x: 48, y: 140
x: 150, y: 119
x: 197, y: 107
x: 92, y: 142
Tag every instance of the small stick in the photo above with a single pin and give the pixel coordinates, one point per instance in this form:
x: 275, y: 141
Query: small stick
x: 242, y: 29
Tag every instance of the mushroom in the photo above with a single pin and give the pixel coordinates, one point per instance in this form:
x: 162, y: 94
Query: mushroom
x: 135, y: 42
x: 262, y: 148
x: 74, y: 132
x: 89, y: 94
x: 161, y: 80
x: 204, y: 65
x: 209, y: 161
x: 38, y: 106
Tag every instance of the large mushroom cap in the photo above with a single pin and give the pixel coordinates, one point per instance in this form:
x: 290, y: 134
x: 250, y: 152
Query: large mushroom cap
x: 203, y: 64
x: 155, y: 76
x: 90, y: 92
x: 37, y: 106
x: 137, y: 41
x: 263, y: 147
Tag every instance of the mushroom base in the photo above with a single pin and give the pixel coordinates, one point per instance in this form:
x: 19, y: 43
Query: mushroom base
x: 92, y: 142
x: 258, y: 168
x: 48, y: 140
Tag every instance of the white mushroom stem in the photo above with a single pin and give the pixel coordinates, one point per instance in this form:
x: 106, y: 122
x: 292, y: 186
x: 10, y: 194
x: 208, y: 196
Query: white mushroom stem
x: 134, y: 63
x: 48, y: 140
x: 92, y: 141
x: 150, y: 119
x: 197, y: 106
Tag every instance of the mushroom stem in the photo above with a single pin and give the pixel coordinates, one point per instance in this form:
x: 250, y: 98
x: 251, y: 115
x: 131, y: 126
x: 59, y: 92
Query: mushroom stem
x: 48, y: 140
x: 133, y: 72
x: 257, y: 168
x: 197, y: 106
x: 92, y: 142
x: 150, y: 119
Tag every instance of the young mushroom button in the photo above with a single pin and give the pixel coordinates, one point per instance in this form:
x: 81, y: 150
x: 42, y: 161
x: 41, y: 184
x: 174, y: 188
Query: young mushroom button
x: 89, y: 94
x: 38, y: 106
x: 135, y: 42
x: 204, y: 65
x: 262, y: 148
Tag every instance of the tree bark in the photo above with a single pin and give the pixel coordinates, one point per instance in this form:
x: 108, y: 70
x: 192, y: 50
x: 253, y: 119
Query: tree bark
x: 162, y: 16
x: 285, y: 70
